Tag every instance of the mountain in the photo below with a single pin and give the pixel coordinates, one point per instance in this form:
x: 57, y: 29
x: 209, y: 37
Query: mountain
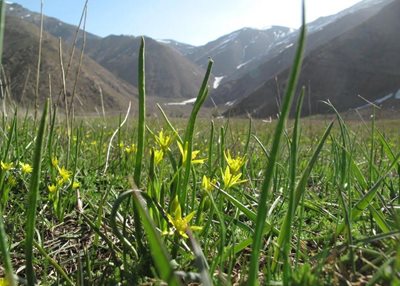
x: 183, y: 48
x: 51, y: 25
x: 281, y: 53
x: 363, y: 60
x: 168, y: 73
x: 20, y: 60
x: 233, y: 51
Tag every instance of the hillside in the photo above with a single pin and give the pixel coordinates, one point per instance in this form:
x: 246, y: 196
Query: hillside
x: 20, y: 60
x: 168, y: 73
x: 320, y: 32
x: 362, y: 61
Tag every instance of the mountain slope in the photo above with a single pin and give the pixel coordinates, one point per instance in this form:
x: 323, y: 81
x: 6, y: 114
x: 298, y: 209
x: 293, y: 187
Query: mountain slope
x: 20, y: 61
x: 168, y: 73
x: 233, y: 51
x: 51, y: 25
x: 280, y: 56
x: 362, y: 61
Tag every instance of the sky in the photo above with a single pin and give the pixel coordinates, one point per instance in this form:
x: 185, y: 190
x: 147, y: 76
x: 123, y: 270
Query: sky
x: 188, y: 21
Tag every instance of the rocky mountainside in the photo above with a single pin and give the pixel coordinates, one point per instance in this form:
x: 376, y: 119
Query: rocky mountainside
x: 280, y: 55
x: 233, y: 51
x: 168, y: 73
x: 21, y: 44
x: 346, y: 55
x: 51, y: 25
x: 363, y: 60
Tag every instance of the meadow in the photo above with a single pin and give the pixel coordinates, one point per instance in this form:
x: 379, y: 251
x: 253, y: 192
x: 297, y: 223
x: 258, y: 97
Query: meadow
x: 145, y: 201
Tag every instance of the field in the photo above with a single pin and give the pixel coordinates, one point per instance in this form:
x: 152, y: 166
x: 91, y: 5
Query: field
x: 93, y: 225
x: 144, y: 201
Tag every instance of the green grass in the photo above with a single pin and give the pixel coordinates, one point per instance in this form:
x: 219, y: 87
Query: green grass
x: 306, y: 234
x: 223, y: 202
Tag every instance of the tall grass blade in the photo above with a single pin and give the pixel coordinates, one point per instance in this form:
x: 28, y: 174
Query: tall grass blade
x: 262, y: 208
x: 33, y: 197
x: 292, y: 185
x: 2, y: 26
x: 157, y: 248
x: 368, y: 197
x: 188, y: 138
x: 142, y: 114
x: 300, y: 189
x: 5, y: 254
x: 54, y: 263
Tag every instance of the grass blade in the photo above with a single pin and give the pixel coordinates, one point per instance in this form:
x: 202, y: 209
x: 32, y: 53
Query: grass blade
x: 33, y: 197
x: 188, y: 138
x: 5, y: 253
x: 157, y: 248
x: 292, y: 171
x: 142, y: 114
x: 300, y: 188
x: 262, y: 209
x: 365, y: 201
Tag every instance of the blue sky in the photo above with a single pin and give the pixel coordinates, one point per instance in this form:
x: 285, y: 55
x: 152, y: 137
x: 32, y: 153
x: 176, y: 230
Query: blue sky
x: 188, y: 21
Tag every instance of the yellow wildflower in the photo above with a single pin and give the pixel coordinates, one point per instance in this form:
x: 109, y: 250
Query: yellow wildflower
x: 52, y: 188
x: 3, y: 282
x: 230, y: 179
x: 207, y: 184
x: 130, y: 149
x: 64, y: 174
x: 93, y: 143
x: 158, y: 156
x: 234, y: 163
x: 54, y: 162
x: 26, y: 168
x: 75, y: 185
x: 6, y: 166
x: 60, y: 182
x: 121, y: 145
x: 184, y: 152
x: 163, y: 140
x: 181, y: 224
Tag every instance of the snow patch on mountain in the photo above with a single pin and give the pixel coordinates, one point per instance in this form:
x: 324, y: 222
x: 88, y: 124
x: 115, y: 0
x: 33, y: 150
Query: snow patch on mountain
x: 217, y: 81
x: 163, y: 41
x: 397, y: 96
x: 243, y: 64
x: 185, y: 102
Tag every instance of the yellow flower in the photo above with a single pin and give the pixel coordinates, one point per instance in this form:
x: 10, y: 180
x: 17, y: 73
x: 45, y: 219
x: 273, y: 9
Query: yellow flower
x: 75, y: 185
x: 3, y: 282
x: 231, y: 179
x: 26, y: 168
x: 130, y: 149
x: 181, y: 224
x: 194, y: 154
x: 158, y: 156
x: 54, y: 162
x: 52, y: 188
x: 207, y: 184
x: 64, y: 173
x: 121, y: 145
x: 6, y: 166
x: 93, y: 143
x: 234, y: 163
x: 163, y: 140
x: 60, y: 182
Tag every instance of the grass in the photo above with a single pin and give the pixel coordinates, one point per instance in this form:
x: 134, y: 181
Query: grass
x: 225, y: 202
x: 101, y: 243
